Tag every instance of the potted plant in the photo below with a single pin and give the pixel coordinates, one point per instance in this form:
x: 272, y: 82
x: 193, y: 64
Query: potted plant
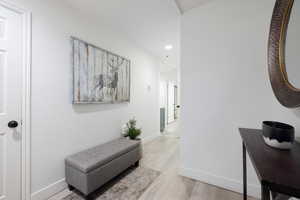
x: 131, y: 131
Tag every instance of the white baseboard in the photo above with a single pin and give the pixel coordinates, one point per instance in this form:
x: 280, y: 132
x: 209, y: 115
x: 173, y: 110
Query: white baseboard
x: 60, y: 185
x: 49, y: 191
x: 223, y: 182
x: 150, y: 138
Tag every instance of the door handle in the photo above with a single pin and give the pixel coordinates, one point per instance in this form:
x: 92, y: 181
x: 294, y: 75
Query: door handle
x: 12, y: 124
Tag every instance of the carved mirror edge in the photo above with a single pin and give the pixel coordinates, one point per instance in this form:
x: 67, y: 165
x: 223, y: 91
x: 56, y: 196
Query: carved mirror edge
x: 287, y: 95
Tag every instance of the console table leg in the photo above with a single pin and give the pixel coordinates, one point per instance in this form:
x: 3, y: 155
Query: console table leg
x: 245, y: 171
x: 265, y: 193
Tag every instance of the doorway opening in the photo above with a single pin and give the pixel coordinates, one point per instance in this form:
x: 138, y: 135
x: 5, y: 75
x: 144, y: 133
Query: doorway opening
x: 169, y: 102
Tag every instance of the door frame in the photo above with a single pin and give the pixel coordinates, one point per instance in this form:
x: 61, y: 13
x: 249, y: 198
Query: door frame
x: 168, y: 98
x: 26, y: 99
x: 175, y: 101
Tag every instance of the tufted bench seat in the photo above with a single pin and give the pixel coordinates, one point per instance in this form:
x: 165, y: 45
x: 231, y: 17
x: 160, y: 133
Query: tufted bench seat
x: 88, y: 170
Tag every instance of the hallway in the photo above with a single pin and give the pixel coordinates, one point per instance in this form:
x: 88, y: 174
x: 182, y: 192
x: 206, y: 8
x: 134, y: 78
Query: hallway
x: 172, y: 130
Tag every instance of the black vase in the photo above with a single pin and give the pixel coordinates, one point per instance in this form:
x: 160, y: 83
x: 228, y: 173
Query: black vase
x: 278, y: 135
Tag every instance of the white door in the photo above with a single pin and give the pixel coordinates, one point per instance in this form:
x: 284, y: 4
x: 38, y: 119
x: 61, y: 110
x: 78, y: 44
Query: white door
x: 171, y: 102
x: 11, y: 59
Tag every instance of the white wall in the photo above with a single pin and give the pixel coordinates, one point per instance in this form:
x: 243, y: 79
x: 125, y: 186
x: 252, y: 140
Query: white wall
x: 225, y: 85
x: 170, y: 75
x: 163, y: 92
x: 60, y: 128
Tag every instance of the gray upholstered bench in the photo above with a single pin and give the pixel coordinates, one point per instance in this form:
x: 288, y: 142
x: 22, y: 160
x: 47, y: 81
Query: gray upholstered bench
x: 90, y: 169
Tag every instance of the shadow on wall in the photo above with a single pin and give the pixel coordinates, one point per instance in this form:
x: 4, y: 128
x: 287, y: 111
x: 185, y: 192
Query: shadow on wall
x: 90, y: 108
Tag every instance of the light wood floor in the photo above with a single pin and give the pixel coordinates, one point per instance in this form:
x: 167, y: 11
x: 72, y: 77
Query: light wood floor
x: 162, y: 154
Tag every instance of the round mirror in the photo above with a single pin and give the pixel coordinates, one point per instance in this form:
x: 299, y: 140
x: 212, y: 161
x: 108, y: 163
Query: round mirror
x: 283, y: 52
x: 292, y: 49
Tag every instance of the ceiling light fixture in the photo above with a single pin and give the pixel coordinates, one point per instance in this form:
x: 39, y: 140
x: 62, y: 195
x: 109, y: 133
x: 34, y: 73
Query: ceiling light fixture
x: 168, y: 47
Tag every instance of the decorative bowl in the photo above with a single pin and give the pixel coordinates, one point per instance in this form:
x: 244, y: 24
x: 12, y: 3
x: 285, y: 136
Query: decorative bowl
x: 278, y: 135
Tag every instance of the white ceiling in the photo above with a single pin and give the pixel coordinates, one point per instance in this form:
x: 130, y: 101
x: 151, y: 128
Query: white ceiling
x: 151, y: 24
x: 185, y: 5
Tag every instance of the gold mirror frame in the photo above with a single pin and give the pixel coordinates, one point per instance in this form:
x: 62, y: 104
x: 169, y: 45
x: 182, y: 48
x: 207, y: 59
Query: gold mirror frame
x: 285, y: 92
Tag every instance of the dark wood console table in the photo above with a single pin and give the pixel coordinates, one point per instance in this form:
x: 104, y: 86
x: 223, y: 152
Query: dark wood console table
x: 278, y: 171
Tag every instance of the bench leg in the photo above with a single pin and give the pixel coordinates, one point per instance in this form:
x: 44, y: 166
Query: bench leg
x: 71, y: 188
x: 88, y: 197
x: 265, y: 193
x: 137, y: 163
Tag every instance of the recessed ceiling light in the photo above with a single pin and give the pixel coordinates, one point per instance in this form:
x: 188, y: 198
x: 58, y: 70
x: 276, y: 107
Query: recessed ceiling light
x: 168, y: 47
